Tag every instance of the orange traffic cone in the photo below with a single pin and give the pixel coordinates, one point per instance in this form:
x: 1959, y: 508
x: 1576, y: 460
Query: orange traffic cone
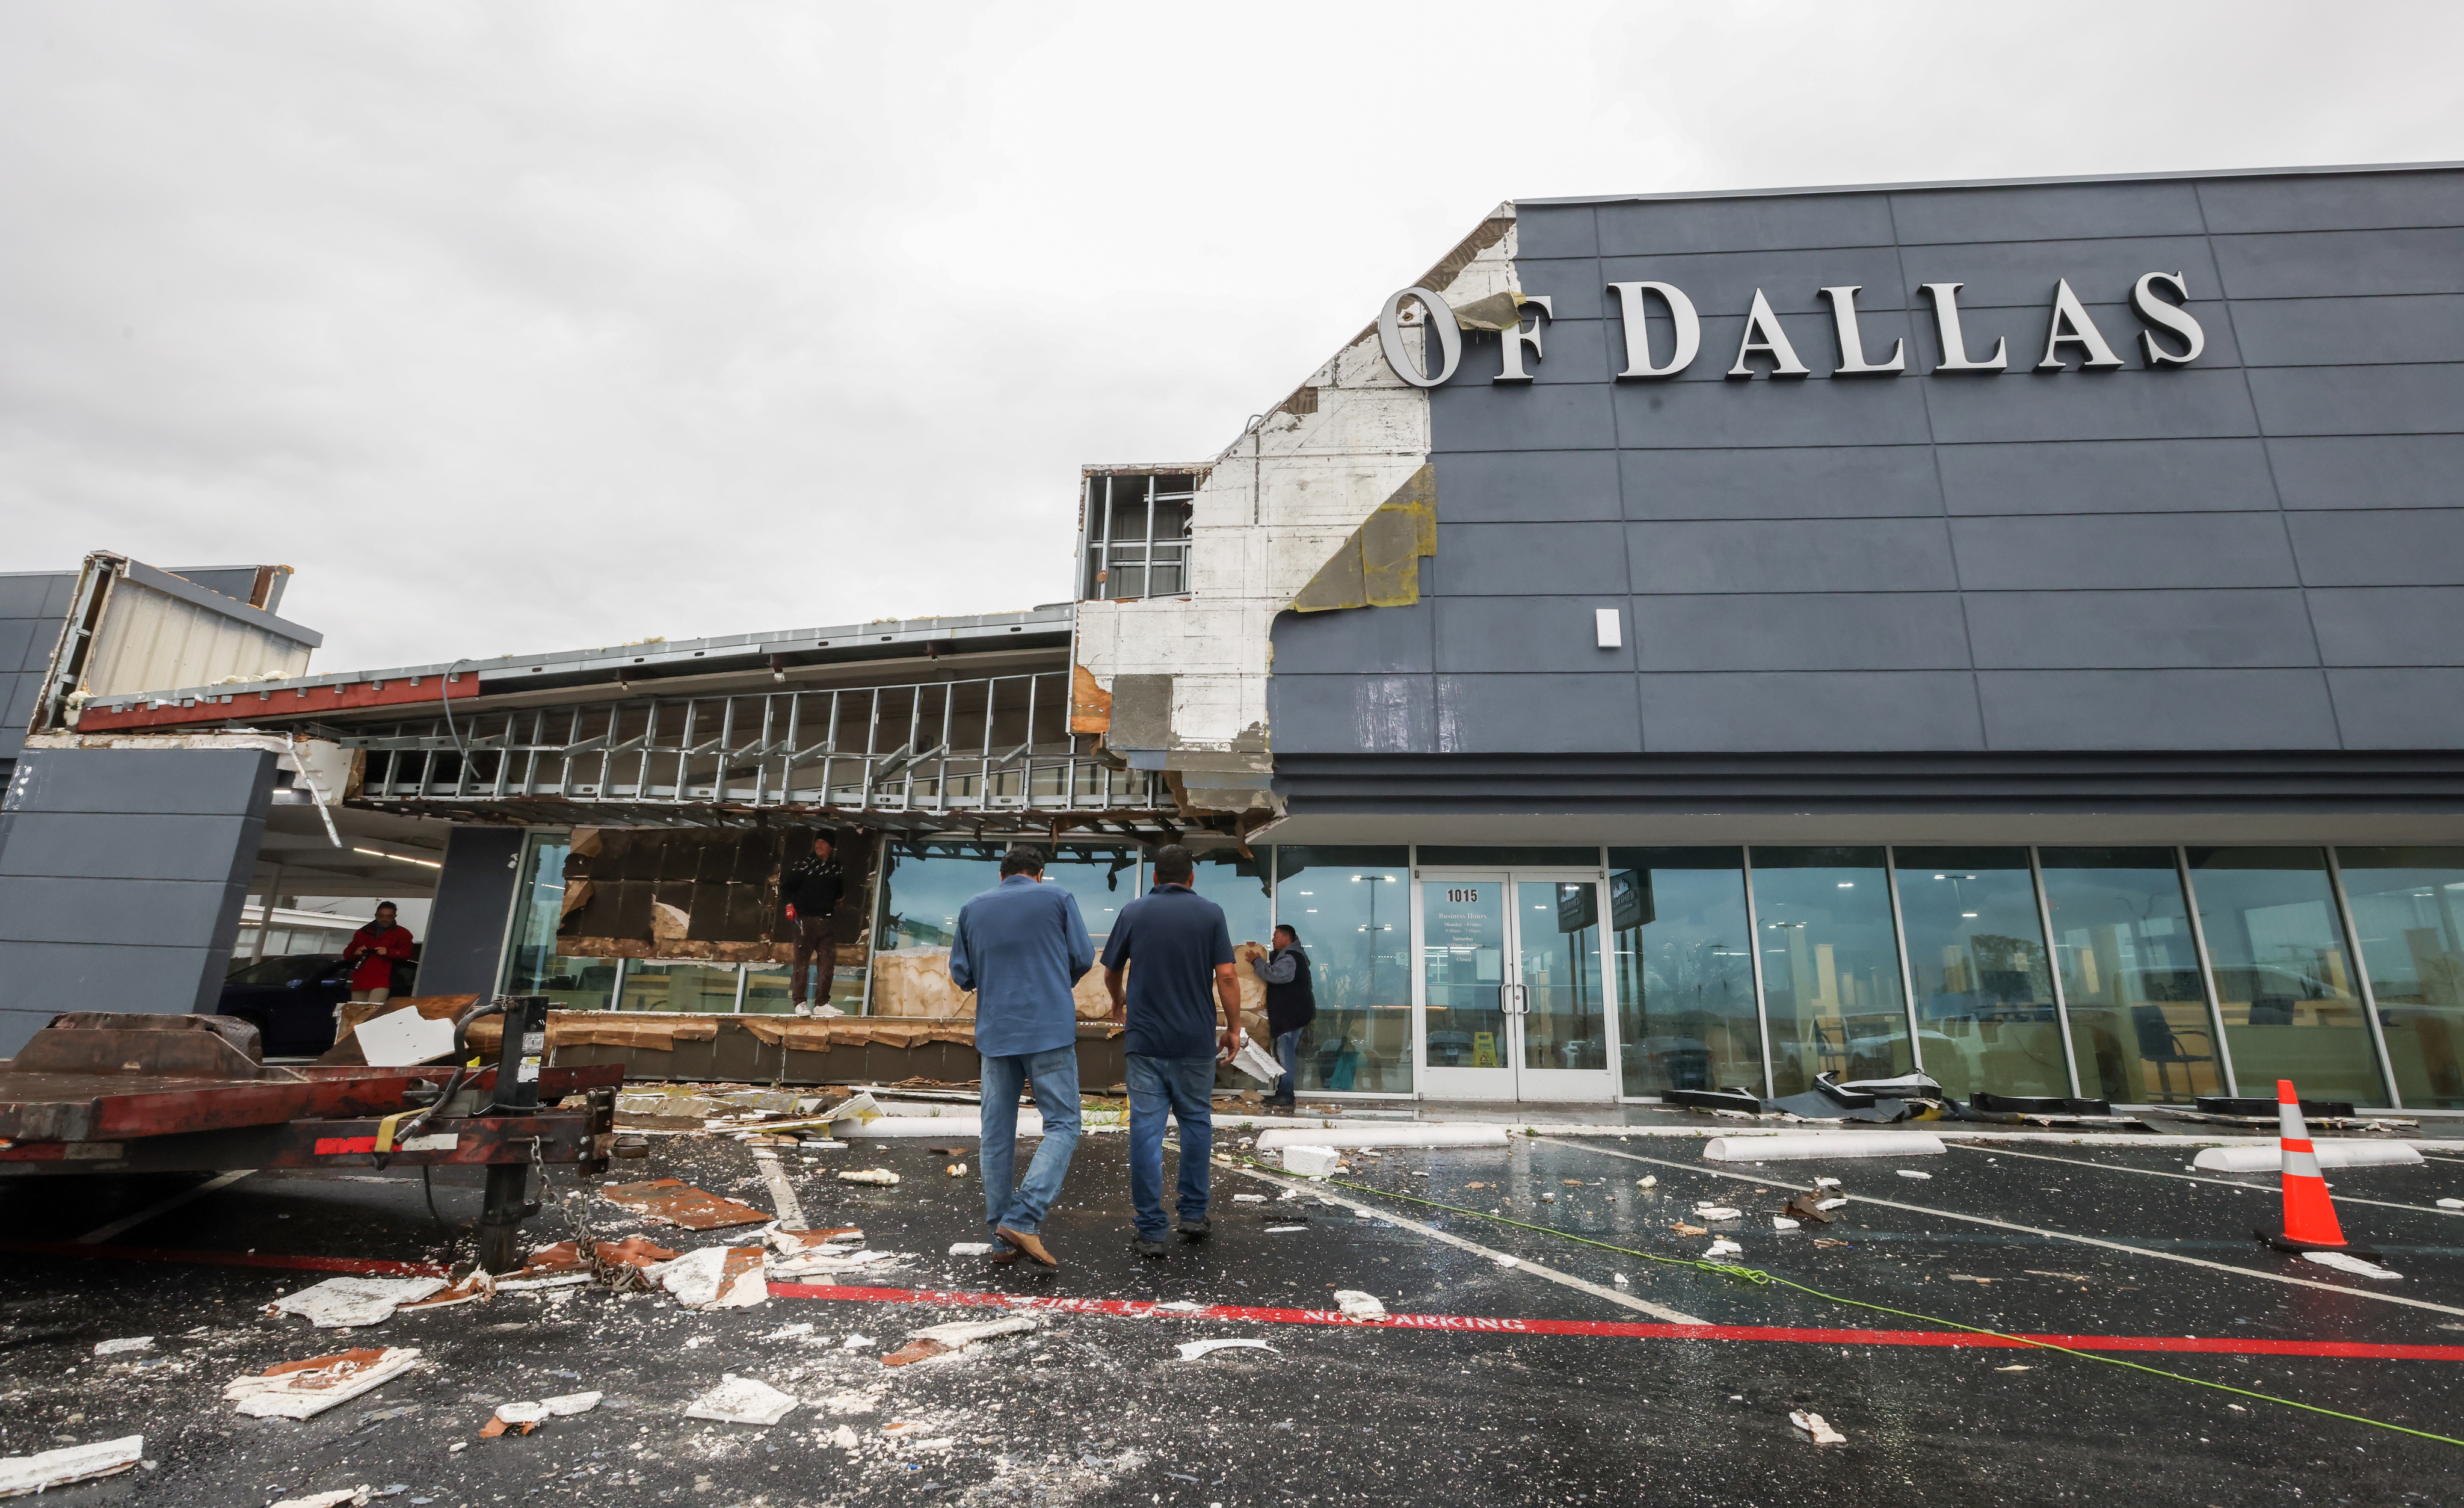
x: 2309, y: 1214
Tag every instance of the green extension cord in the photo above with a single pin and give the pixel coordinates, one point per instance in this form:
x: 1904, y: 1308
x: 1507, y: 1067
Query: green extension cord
x: 1762, y: 1279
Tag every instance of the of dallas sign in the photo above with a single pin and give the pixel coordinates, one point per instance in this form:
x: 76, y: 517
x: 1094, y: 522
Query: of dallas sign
x: 1766, y: 350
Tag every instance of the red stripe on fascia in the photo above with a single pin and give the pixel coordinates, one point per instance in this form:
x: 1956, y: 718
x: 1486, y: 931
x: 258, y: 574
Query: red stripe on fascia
x: 1458, y: 1324
x: 274, y: 1260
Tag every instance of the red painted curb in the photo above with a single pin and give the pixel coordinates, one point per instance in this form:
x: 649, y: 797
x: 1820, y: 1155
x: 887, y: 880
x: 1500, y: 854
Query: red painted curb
x: 276, y: 1259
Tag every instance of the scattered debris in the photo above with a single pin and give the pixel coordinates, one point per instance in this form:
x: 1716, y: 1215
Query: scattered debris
x: 1647, y: 1180
x: 1826, y: 1182
x: 2076, y: 1277
x: 716, y: 1277
x: 1805, y: 1206
x: 958, y: 1170
x: 855, y: 1342
x: 1548, y: 1197
x: 1825, y: 1240
x: 566, y: 1405
x: 1711, y: 1212
x: 2024, y: 1367
x: 671, y: 1201
x: 850, y: 1403
x: 1965, y: 1277
x: 1311, y: 1160
x: 480, y: 1284
x: 135, y: 1342
x: 943, y: 1340
x: 2451, y: 1204
x: 1249, y: 1199
x: 1182, y: 1306
x: 303, y: 1389
x: 1832, y: 1203
x: 741, y: 1399
x: 1504, y: 1260
x: 513, y: 1419
x: 1815, y: 1426
x: 825, y: 1260
x: 348, y: 1303
x: 970, y: 1249
x: 1724, y: 1247
x: 339, y: 1494
x: 1617, y: 1278
x: 1354, y: 1304
x: 790, y: 1242
x: 1682, y: 1228
x: 45, y: 1470
x: 1281, y: 1229
x: 844, y: 1438
x: 1191, y: 1350
x: 1784, y: 1223
x: 2346, y: 1262
x: 1910, y: 1172
x: 867, y: 1175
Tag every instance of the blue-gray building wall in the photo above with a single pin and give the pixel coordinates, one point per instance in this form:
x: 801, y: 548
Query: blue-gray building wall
x: 32, y: 607
x: 122, y: 876
x: 2260, y: 551
x: 474, y: 903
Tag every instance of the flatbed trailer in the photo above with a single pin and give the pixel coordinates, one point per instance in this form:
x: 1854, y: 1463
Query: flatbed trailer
x: 104, y: 1093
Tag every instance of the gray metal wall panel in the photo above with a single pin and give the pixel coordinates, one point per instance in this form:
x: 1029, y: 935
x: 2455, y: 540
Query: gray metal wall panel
x: 1546, y: 230
x: 2376, y: 471
x: 1502, y: 416
x: 466, y: 925
x: 1668, y: 228
x: 2341, y: 264
x: 120, y: 913
x: 1526, y: 487
x: 1535, y: 560
x: 2157, y: 709
x: 1813, y: 337
x: 62, y: 590
x: 1356, y: 641
x: 2024, y: 552
x: 2423, y: 398
x: 2400, y: 709
x: 1529, y: 633
x: 2161, y: 630
x: 1800, y: 482
x: 1735, y: 415
x: 17, y: 638
x: 1793, y: 555
x: 2332, y: 201
x: 1353, y: 714
x: 1802, y: 630
x: 2107, y: 476
x: 2388, y: 625
x: 1571, y: 351
x: 1573, y: 286
x: 122, y: 845
x: 28, y: 594
x: 2386, y: 547
x: 2007, y: 275
x: 17, y: 697
x: 46, y: 978
x: 2349, y: 332
x: 1723, y: 282
x: 1830, y: 710
x: 2127, y: 404
x: 18, y: 1027
x: 1503, y: 714
x: 2044, y: 212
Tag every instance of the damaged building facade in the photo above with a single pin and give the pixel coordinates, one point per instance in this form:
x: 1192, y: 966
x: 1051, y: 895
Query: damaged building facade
x: 1692, y: 641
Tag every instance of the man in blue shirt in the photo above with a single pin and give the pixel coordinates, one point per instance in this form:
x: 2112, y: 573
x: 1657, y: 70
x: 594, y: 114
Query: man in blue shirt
x: 1183, y: 951
x: 1020, y: 946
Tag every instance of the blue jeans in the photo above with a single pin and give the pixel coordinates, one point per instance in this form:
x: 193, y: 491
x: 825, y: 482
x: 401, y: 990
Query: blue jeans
x: 1056, y: 1094
x: 1182, y: 1085
x: 1287, y: 1052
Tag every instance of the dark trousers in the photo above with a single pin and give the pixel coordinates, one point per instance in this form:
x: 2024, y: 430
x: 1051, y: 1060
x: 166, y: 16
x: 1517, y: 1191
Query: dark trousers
x: 813, y: 946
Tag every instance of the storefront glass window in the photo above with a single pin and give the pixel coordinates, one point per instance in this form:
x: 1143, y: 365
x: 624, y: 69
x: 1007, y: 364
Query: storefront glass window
x: 2130, y: 975
x: 679, y: 987
x: 1351, y: 908
x: 532, y: 964
x: 1686, y: 983
x: 2409, y: 912
x: 1976, y: 951
x: 1831, y: 968
x: 2283, y: 982
x: 923, y: 884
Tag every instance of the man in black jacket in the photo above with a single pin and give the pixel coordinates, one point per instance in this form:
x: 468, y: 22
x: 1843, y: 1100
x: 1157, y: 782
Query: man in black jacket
x: 810, y: 889
x: 1291, y: 1005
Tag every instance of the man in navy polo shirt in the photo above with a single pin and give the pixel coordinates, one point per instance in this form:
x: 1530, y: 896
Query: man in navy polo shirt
x: 1184, y: 950
x: 1020, y: 946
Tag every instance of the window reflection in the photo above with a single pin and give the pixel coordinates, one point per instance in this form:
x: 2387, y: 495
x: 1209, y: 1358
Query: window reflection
x: 679, y: 987
x: 533, y: 966
x: 2284, y: 983
x: 2409, y: 913
x: 1564, y: 1009
x: 2130, y: 975
x: 1976, y: 952
x: 1685, y: 984
x: 923, y: 884
x: 1353, y: 913
x: 1831, y: 965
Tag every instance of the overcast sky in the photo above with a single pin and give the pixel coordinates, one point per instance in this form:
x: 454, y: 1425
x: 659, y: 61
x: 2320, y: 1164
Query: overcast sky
x: 523, y: 326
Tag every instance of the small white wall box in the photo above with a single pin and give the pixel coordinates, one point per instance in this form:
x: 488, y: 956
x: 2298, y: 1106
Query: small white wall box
x: 1310, y: 1161
x: 1612, y: 629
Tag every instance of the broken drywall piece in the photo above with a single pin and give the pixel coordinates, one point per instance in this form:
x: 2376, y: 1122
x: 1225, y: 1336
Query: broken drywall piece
x: 716, y: 1277
x: 1354, y: 1304
x: 45, y: 1470
x: 1910, y: 1172
x: 2348, y: 1262
x: 399, y: 1038
x: 867, y: 1175
x: 1815, y: 1424
x: 348, y: 1303
x: 790, y: 1243
x: 741, y: 1399
x: 566, y: 1405
x: 304, y: 1390
x: 479, y: 1285
x: 1191, y: 1350
x: 944, y: 1340
x: 970, y: 1249
x: 1723, y: 1246
x: 336, y: 1498
x: 135, y: 1342
x: 1784, y: 1223
x: 671, y: 1201
x: 850, y: 1403
x: 1311, y: 1162
x: 1711, y: 1212
x: 815, y: 1263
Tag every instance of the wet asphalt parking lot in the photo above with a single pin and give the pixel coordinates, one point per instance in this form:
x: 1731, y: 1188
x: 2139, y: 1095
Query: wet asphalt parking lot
x: 1098, y: 1408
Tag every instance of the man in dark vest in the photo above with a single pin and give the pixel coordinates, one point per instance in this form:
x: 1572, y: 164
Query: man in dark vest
x: 810, y: 891
x: 1291, y: 1005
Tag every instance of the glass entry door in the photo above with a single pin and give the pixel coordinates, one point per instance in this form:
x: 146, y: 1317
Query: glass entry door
x: 1515, y: 1002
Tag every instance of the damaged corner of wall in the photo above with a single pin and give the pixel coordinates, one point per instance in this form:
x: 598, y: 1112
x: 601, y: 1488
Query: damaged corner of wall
x: 1378, y: 565
x: 1090, y: 706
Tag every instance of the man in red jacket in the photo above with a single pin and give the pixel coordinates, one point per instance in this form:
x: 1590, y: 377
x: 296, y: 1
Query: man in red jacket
x: 371, y: 954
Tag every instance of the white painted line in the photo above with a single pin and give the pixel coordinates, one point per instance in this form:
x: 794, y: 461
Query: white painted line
x: 2055, y: 1236
x: 2194, y: 1178
x: 131, y: 1222
x: 1519, y: 1264
x: 782, y: 1197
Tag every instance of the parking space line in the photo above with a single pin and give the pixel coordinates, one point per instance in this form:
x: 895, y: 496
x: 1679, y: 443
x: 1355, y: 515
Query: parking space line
x: 2194, y: 1178
x: 2372, y: 1295
x: 1519, y: 1264
x: 1795, y: 1334
x: 105, y: 1232
x: 784, y: 1202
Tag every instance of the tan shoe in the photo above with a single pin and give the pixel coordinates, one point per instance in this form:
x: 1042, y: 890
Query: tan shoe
x: 1031, y: 1245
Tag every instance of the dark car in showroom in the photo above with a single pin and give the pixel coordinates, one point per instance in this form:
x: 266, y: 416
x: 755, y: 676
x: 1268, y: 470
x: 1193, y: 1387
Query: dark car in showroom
x: 289, y: 999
